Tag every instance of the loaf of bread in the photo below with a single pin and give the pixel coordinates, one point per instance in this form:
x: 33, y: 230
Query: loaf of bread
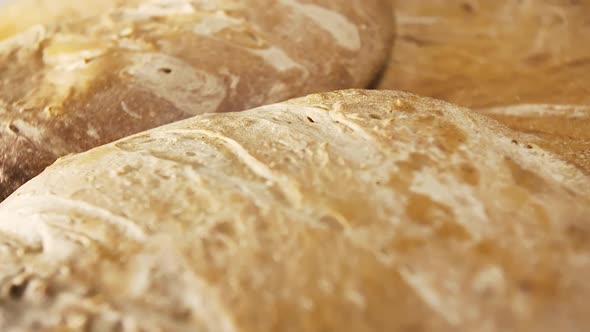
x: 96, y: 71
x: 480, y: 53
x: 346, y: 211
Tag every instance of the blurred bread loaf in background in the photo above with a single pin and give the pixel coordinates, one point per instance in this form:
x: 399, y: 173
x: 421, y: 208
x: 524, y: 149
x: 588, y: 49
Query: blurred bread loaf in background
x: 479, y: 54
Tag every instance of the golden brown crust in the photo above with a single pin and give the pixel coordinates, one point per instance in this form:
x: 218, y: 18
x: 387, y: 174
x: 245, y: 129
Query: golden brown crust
x: 81, y: 80
x: 561, y: 129
x: 346, y: 211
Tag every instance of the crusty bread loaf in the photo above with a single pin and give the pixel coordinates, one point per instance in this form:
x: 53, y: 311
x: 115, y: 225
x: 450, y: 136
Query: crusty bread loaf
x: 346, y: 211
x: 96, y: 71
x: 480, y: 53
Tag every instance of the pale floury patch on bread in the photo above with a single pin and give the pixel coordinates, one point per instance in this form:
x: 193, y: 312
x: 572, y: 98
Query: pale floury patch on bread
x: 343, y: 30
x: 87, y: 74
x: 345, y: 211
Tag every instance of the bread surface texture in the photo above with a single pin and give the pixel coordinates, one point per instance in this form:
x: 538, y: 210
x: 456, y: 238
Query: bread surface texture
x: 345, y: 211
x: 481, y: 54
x: 561, y: 129
x: 78, y: 74
x: 524, y: 63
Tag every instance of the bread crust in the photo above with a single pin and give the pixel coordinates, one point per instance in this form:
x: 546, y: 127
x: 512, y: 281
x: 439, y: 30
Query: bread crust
x: 561, y: 129
x: 346, y: 211
x: 85, y: 75
x: 525, y: 63
x: 482, y: 54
